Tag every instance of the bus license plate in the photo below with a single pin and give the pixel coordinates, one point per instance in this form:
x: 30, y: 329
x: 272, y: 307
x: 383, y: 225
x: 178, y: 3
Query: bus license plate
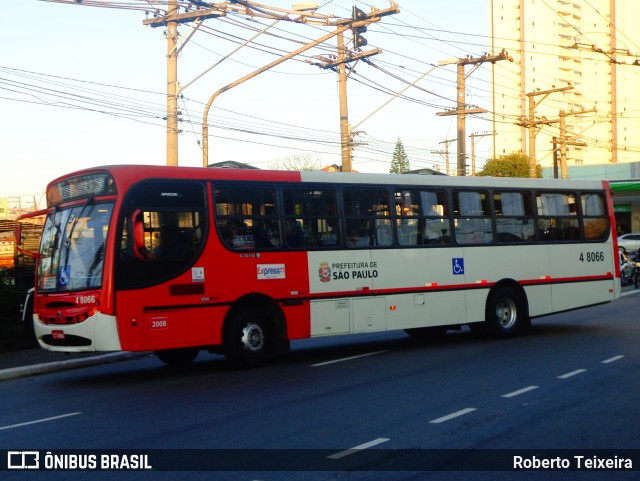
x: 58, y: 335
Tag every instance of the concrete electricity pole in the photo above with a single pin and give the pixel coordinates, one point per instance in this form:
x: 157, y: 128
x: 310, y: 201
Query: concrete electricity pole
x: 302, y: 13
x: 171, y: 21
x: 531, y: 123
x: 358, y: 24
x: 473, y: 147
x: 172, y: 87
x: 462, y: 109
x: 446, y: 154
x: 563, y: 141
x: 345, y: 132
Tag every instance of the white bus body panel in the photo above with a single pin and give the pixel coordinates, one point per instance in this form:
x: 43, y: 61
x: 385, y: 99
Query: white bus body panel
x: 421, y: 287
x: 100, y: 328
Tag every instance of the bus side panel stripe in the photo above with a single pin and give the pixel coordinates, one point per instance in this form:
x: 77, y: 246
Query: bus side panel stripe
x: 295, y: 301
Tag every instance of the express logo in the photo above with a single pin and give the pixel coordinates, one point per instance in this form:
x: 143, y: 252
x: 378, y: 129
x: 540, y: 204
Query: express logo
x: 324, y: 272
x: 271, y: 271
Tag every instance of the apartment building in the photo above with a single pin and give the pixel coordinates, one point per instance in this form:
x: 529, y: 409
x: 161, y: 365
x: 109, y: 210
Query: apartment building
x: 575, y: 63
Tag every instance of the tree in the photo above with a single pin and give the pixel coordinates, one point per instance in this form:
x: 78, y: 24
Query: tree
x: 297, y: 162
x: 400, y: 161
x: 515, y: 164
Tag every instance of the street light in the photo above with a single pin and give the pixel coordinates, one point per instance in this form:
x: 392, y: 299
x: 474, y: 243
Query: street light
x: 205, y: 126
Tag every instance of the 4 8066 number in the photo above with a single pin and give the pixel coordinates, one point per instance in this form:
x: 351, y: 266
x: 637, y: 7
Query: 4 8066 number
x: 592, y: 257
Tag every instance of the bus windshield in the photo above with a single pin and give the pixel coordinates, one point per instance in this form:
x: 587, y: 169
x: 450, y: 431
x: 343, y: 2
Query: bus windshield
x: 73, y: 246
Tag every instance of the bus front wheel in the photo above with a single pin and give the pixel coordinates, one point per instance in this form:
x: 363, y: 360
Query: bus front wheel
x: 247, y: 339
x: 506, y: 313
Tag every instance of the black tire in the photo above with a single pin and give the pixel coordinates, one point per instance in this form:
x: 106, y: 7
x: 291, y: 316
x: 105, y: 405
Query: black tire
x: 178, y: 357
x: 636, y: 275
x: 248, y: 339
x: 506, y: 313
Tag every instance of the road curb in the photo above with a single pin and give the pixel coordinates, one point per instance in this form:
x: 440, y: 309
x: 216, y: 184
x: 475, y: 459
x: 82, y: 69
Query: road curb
x: 49, y: 367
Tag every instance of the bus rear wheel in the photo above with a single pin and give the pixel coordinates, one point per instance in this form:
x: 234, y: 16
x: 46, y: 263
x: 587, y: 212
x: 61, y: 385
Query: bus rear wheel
x: 177, y: 357
x: 505, y: 313
x: 248, y: 339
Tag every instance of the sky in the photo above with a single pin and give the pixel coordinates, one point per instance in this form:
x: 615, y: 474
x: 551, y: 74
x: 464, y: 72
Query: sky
x: 84, y: 86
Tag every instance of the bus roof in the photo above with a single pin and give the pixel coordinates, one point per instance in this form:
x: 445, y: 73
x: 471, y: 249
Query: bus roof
x: 131, y: 173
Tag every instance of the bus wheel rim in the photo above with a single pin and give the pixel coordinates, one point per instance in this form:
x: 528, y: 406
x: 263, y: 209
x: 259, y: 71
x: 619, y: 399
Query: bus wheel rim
x: 506, y: 313
x: 252, y: 337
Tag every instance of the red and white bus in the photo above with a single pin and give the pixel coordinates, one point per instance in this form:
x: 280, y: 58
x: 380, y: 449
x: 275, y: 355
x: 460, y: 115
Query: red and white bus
x: 178, y: 259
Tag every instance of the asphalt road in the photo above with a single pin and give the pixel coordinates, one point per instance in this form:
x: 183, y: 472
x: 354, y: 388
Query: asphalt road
x: 360, y: 405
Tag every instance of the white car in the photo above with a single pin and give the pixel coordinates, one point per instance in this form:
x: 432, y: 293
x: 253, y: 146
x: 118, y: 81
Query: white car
x: 629, y: 242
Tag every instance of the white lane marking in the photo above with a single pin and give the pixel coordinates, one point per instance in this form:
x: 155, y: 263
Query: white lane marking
x: 520, y: 391
x: 572, y: 373
x: 448, y: 417
x: 612, y: 359
x: 38, y: 421
x: 628, y: 293
x: 346, y: 359
x: 360, y: 447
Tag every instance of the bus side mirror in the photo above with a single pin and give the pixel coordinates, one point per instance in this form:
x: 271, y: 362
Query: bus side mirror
x: 139, y: 249
x: 19, y: 237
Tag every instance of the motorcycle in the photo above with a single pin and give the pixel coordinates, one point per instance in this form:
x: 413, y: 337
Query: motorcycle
x: 635, y: 272
x: 630, y: 269
x: 626, y: 272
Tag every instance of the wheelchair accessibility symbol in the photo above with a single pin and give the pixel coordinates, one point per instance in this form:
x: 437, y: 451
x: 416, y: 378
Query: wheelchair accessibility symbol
x: 457, y: 266
x: 64, y: 276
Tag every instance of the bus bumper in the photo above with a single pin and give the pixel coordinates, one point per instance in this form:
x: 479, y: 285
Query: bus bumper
x: 96, y: 333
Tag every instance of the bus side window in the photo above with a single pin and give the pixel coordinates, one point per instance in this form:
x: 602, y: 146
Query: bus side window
x: 472, y: 218
x: 161, y: 235
x: 366, y: 213
x: 436, y: 229
x: 247, y: 217
x: 514, y: 217
x: 311, y: 218
x: 596, y: 222
x: 558, y: 217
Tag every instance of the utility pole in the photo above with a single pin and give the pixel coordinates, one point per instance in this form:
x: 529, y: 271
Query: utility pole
x: 462, y: 110
x: 358, y: 24
x: 473, y: 147
x: 345, y: 132
x: 446, y: 154
x: 301, y: 13
x: 339, y: 65
x: 612, y: 55
x: 304, y: 12
x: 554, y: 143
x: 531, y: 123
x: 563, y: 141
x: 171, y: 21
x: 172, y: 87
